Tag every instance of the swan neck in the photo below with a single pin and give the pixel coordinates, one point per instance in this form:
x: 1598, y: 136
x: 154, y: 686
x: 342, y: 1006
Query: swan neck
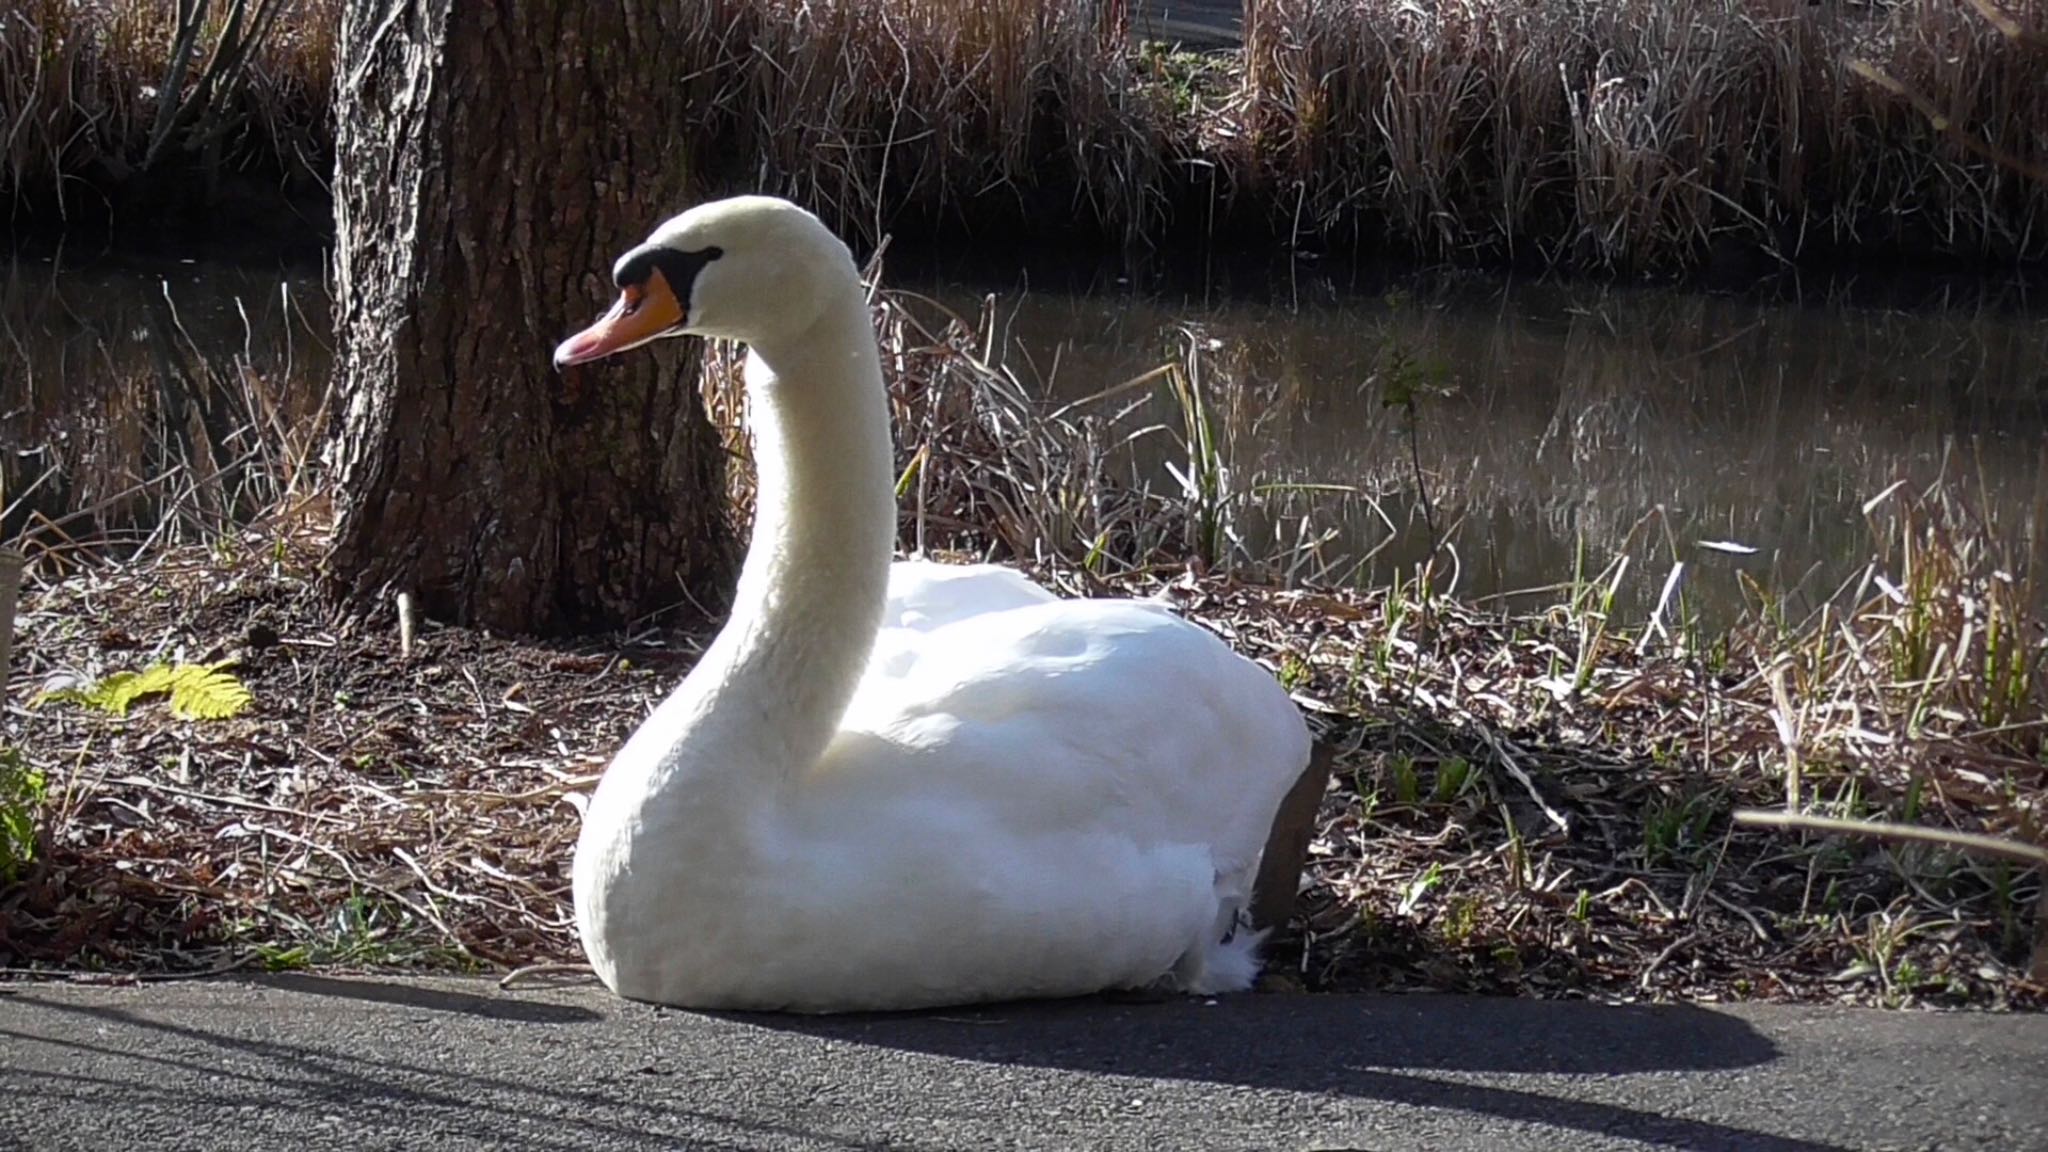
x: 812, y: 589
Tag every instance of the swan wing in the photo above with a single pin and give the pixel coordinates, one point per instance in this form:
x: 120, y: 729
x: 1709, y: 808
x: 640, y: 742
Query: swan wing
x: 1069, y: 717
x: 926, y: 594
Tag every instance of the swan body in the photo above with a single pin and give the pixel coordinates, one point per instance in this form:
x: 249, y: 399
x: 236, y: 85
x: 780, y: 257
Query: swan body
x: 910, y: 784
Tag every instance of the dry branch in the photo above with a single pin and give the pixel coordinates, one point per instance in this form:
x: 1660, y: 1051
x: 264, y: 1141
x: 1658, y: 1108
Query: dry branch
x: 10, y: 588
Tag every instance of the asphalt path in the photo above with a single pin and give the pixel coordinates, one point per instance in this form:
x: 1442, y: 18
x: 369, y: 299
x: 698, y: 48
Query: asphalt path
x: 310, y: 1062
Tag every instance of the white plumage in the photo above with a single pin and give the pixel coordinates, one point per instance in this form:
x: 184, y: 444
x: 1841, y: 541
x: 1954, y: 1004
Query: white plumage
x: 898, y: 785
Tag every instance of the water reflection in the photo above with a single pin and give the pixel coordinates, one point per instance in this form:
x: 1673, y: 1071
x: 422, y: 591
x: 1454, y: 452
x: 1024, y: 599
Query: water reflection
x: 137, y: 386
x: 1552, y: 416
x: 1549, y: 418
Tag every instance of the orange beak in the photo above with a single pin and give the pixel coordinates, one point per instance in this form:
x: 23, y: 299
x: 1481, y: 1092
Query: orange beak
x: 644, y: 312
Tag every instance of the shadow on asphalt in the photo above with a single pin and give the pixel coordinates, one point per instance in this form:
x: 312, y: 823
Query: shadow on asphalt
x: 434, y: 999
x: 1384, y: 1048
x: 1310, y: 1042
x: 1408, y: 1050
x: 313, y: 1077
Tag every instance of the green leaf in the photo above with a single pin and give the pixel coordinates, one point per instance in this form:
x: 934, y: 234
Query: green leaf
x: 22, y: 790
x: 197, y: 691
x: 119, y: 692
x: 207, y: 692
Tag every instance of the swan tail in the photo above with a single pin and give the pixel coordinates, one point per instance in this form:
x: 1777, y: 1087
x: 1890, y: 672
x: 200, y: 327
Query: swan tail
x: 1229, y: 964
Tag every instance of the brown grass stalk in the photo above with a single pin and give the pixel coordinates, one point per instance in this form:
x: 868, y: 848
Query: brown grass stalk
x: 96, y: 93
x: 1650, y: 133
x: 11, y: 562
x: 1632, y: 134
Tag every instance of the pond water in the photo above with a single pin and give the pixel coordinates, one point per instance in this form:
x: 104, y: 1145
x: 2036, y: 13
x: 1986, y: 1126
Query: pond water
x: 1552, y: 417
x: 1549, y: 418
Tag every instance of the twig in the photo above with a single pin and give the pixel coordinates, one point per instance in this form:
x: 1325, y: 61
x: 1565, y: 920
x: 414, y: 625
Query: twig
x: 1968, y: 841
x: 348, y: 869
x: 1756, y: 925
x: 1670, y: 950
x: 10, y: 590
x: 405, y: 625
x: 518, y: 974
x: 225, y: 801
x: 1500, y: 751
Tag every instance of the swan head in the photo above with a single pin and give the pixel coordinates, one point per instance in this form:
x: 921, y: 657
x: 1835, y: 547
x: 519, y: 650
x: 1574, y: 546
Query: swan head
x: 751, y: 268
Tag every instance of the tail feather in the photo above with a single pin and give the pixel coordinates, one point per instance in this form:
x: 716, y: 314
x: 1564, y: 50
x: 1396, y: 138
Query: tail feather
x: 1227, y: 964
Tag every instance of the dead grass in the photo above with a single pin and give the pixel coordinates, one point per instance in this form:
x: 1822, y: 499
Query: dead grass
x: 147, y: 426
x: 1640, y: 134
x: 96, y: 94
x: 373, y: 810
x: 1648, y: 133
x: 1496, y: 829
x: 1492, y: 828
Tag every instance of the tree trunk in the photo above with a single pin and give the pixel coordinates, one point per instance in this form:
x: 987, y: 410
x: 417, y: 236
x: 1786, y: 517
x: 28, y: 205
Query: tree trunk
x: 493, y: 158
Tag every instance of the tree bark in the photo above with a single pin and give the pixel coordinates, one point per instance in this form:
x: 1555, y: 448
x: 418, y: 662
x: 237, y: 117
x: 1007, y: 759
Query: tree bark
x: 493, y: 158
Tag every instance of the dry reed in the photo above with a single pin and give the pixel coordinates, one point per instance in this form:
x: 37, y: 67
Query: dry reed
x: 96, y: 93
x: 141, y: 423
x: 1640, y: 134
x: 1649, y: 132
x: 880, y: 114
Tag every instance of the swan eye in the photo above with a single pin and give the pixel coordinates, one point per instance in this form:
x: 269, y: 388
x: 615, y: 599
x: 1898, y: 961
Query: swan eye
x: 632, y: 296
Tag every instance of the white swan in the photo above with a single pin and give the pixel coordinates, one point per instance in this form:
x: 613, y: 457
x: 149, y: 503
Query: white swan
x: 909, y: 785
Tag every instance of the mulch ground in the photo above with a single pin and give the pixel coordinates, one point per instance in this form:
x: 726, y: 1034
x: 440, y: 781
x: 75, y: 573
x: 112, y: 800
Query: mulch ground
x: 1489, y: 829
